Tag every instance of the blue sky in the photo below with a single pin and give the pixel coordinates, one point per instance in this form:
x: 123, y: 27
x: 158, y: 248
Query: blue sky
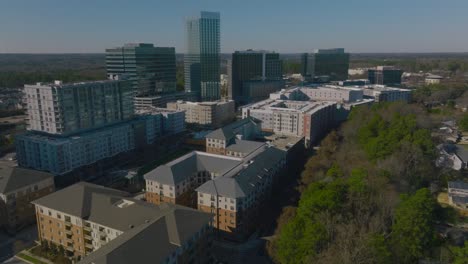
x: 57, y: 26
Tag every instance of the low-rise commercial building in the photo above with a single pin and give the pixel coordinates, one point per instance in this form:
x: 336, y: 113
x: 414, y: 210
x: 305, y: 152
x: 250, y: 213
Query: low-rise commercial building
x: 108, y: 226
x: 232, y: 188
x: 210, y: 114
x: 18, y: 187
x: 433, y: 79
x: 294, y: 118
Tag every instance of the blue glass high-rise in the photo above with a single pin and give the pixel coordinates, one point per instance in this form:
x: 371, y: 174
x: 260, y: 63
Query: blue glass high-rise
x: 202, y: 59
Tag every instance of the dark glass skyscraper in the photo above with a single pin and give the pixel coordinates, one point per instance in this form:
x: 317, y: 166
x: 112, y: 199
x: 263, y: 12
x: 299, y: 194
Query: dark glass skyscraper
x: 202, y: 60
x: 253, y: 75
x: 333, y: 63
x: 151, y: 70
x: 387, y: 75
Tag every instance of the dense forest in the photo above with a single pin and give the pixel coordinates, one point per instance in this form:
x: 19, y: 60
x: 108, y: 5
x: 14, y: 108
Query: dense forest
x: 365, y: 195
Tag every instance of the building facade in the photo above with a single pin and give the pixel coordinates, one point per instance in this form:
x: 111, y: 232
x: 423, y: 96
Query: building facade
x: 60, y: 155
x: 173, y: 121
x: 68, y: 108
x: 311, y: 120
x: 151, y: 70
x: 97, y: 222
x: 228, y: 139
x: 18, y: 187
x: 202, y: 59
x: 253, y: 75
x: 231, y: 188
x: 333, y: 63
x: 208, y: 114
x: 385, y: 75
x: 382, y: 93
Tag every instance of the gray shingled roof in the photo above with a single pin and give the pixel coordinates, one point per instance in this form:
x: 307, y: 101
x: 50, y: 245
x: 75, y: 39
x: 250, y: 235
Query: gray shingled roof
x: 177, y: 170
x: 152, y: 242
x: 76, y: 199
x: 245, y: 181
x: 13, y: 178
x: 227, y: 132
x: 244, y: 146
x: 105, y: 210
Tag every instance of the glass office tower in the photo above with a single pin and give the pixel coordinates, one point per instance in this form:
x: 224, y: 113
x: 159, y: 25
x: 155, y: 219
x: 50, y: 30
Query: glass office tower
x: 151, y: 70
x: 202, y: 60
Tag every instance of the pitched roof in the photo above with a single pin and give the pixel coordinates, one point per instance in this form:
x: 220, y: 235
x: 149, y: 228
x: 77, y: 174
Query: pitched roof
x: 244, y: 146
x: 227, y: 132
x: 154, y: 241
x: 245, y: 181
x: 76, y: 199
x: 177, y: 170
x: 13, y: 178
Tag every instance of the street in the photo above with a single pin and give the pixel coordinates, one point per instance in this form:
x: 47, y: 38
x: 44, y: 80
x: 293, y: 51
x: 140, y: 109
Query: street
x: 9, y: 246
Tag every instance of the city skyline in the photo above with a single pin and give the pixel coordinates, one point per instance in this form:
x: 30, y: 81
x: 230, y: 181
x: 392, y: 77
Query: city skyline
x: 287, y: 27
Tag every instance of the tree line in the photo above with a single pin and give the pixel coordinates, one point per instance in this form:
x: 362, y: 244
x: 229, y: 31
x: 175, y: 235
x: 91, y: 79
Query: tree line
x: 365, y: 196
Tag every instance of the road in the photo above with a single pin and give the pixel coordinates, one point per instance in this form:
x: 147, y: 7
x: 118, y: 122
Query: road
x: 9, y: 246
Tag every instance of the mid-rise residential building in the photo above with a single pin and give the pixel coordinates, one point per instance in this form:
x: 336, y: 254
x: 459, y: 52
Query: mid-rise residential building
x: 253, y: 75
x: 173, y: 120
x: 79, y: 124
x: 234, y: 139
x: 59, y: 108
x: 385, y: 75
x: 382, y: 93
x: 209, y: 114
x: 151, y: 70
x: 333, y: 63
x: 202, y: 60
x: 311, y: 120
x: 321, y: 93
x: 60, y: 155
x: 18, y: 187
x: 231, y: 188
x: 107, y: 226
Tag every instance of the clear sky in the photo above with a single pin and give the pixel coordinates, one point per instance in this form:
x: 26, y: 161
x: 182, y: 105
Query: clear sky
x: 62, y: 26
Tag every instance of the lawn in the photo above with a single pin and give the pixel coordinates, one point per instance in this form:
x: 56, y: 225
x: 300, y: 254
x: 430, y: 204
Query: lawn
x: 29, y: 258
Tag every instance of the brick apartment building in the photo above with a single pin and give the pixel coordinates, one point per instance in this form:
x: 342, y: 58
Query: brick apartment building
x: 232, y: 188
x: 106, y: 225
x: 18, y: 187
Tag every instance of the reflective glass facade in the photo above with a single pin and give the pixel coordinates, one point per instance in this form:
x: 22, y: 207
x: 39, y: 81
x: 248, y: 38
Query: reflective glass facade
x: 202, y: 60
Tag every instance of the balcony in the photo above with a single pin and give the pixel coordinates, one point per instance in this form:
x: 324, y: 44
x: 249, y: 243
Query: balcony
x: 89, y: 246
x: 68, y: 232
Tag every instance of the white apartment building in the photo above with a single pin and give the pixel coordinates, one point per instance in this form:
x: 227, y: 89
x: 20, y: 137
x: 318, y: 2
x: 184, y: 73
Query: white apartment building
x: 294, y: 118
x: 58, y: 108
